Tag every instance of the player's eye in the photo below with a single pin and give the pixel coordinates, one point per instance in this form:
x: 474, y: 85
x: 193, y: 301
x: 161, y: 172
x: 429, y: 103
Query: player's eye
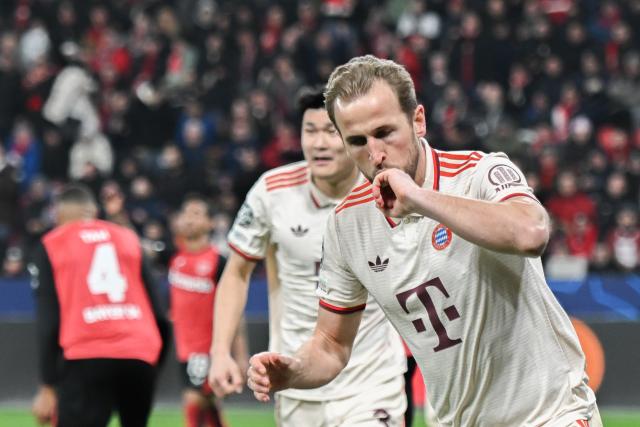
x: 358, y: 141
x: 382, y: 133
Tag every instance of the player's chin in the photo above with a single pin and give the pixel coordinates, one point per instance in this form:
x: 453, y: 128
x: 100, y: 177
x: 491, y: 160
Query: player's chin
x: 323, y: 170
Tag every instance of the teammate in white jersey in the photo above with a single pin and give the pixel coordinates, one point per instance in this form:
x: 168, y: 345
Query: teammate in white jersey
x: 448, y: 244
x: 287, y: 209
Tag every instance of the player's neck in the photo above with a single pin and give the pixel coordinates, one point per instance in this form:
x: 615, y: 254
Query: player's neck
x: 421, y: 170
x: 337, y: 188
x: 196, y: 244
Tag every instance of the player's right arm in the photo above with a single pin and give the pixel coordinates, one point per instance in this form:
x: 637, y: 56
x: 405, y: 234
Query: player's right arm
x: 315, y: 364
x: 44, y: 406
x: 319, y: 360
x: 225, y: 376
x: 249, y: 240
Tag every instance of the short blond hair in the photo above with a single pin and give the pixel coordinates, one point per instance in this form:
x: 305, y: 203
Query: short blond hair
x: 355, y: 78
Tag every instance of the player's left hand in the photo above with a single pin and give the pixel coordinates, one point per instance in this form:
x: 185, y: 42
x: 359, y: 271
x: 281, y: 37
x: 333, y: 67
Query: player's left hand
x: 269, y: 372
x: 392, y: 191
x: 45, y: 405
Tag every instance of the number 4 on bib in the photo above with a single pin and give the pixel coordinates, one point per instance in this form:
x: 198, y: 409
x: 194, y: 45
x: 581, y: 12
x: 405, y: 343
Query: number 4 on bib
x: 104, y: 275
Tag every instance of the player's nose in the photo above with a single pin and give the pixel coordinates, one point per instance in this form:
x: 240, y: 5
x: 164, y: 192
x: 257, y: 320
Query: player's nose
x: 377, y: 154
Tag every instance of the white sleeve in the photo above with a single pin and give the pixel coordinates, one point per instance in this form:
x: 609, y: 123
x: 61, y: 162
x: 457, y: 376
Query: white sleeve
x: 498, y: 178
x: 338, y: 288
x: 251, y: 231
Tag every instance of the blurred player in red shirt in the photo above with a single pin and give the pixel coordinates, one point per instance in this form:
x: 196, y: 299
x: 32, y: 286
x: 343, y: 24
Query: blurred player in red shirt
x: 101, y: 331
x: 194, y: 271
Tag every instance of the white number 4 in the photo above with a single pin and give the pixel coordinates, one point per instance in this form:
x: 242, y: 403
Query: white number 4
x: 104, y: 275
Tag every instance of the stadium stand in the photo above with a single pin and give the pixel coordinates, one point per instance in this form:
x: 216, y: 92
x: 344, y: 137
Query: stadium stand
x: 146, y: 99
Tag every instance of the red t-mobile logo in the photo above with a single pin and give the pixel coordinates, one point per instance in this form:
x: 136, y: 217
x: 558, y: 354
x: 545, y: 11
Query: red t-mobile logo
x: 444, y: 341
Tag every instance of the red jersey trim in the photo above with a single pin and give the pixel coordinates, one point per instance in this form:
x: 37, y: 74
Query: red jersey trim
x: 512, y: 195
x: 451, y: 156
x: 391, y: 222
x: 450, y: 174
x: 285, y: 174
x: 242, y: 254
x: 348, y: 205
x: 436, y: 170
x: 356, y: 196
x: 360, y: 187
x: 287, y: 178
x: 583, y: 423
x: 342, y: 310
x: 288, y: 184
x: 457, y: 165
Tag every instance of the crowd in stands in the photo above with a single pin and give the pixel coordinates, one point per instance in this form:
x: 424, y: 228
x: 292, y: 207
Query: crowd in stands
x: 148, y: 100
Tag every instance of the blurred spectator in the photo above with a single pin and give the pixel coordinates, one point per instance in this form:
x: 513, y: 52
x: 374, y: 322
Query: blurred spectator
x: 34, y: 45
x: 9, y: 196
x: 36, y: 211
x: 579, y: 145
x: 418, y: 19
x: 624, y: 239
x: 601, y: 261
x: 625, y: 86
x: 195, y: 134
x: 565, y: 110
x: 615, y: 197
x: 13, y: 264
x: 69, y: 100
x: 582, y: 237
x: 570, y: 201
x: 93, y: 152
x: 24, y: 152
x: 283, y: 148
x: 142, y: 203
x: 55, y: 154
x: 174, y: 179
x: 112, y: 201
x: 468, y: 61
x: 168, y: 97
x: 10, y: 86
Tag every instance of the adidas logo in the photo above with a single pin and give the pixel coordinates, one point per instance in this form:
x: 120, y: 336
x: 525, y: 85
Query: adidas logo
x: 379, y: 265
x: 299, y: 231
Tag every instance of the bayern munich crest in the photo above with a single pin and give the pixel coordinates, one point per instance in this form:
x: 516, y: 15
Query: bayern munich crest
x: 441, y: 237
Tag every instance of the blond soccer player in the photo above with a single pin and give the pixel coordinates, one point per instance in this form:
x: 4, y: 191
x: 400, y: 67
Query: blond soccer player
x: 460, y: 235
x: 285, y: 214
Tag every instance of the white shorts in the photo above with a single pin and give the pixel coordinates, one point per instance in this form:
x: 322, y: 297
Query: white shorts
x: 379, y: 406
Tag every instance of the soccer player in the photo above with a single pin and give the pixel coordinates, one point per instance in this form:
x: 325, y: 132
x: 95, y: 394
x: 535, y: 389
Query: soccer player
x: 285, y: 213
x: 194, y: 271
x: 101, y: 330
x: 460, y: 236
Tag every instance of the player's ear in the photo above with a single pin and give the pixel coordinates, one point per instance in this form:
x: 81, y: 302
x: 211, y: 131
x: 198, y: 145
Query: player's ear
x: 420, y: 121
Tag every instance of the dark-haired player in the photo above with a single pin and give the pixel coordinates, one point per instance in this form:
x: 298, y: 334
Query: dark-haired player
x: 100, y: 327
x: 194, y: 271
x: 285, y: 214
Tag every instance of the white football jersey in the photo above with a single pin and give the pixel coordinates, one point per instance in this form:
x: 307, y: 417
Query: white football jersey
x: 493, y: 344
x: 284, y: 208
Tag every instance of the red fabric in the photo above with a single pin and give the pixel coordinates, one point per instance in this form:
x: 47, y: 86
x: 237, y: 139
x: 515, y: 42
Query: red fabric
x: 411, y: 61
x: 95, y: 323
x: 193, y: 415
x: 565, y: 209
x: 582, y: 242
x: 614, y: 142
x: 192, y: 280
